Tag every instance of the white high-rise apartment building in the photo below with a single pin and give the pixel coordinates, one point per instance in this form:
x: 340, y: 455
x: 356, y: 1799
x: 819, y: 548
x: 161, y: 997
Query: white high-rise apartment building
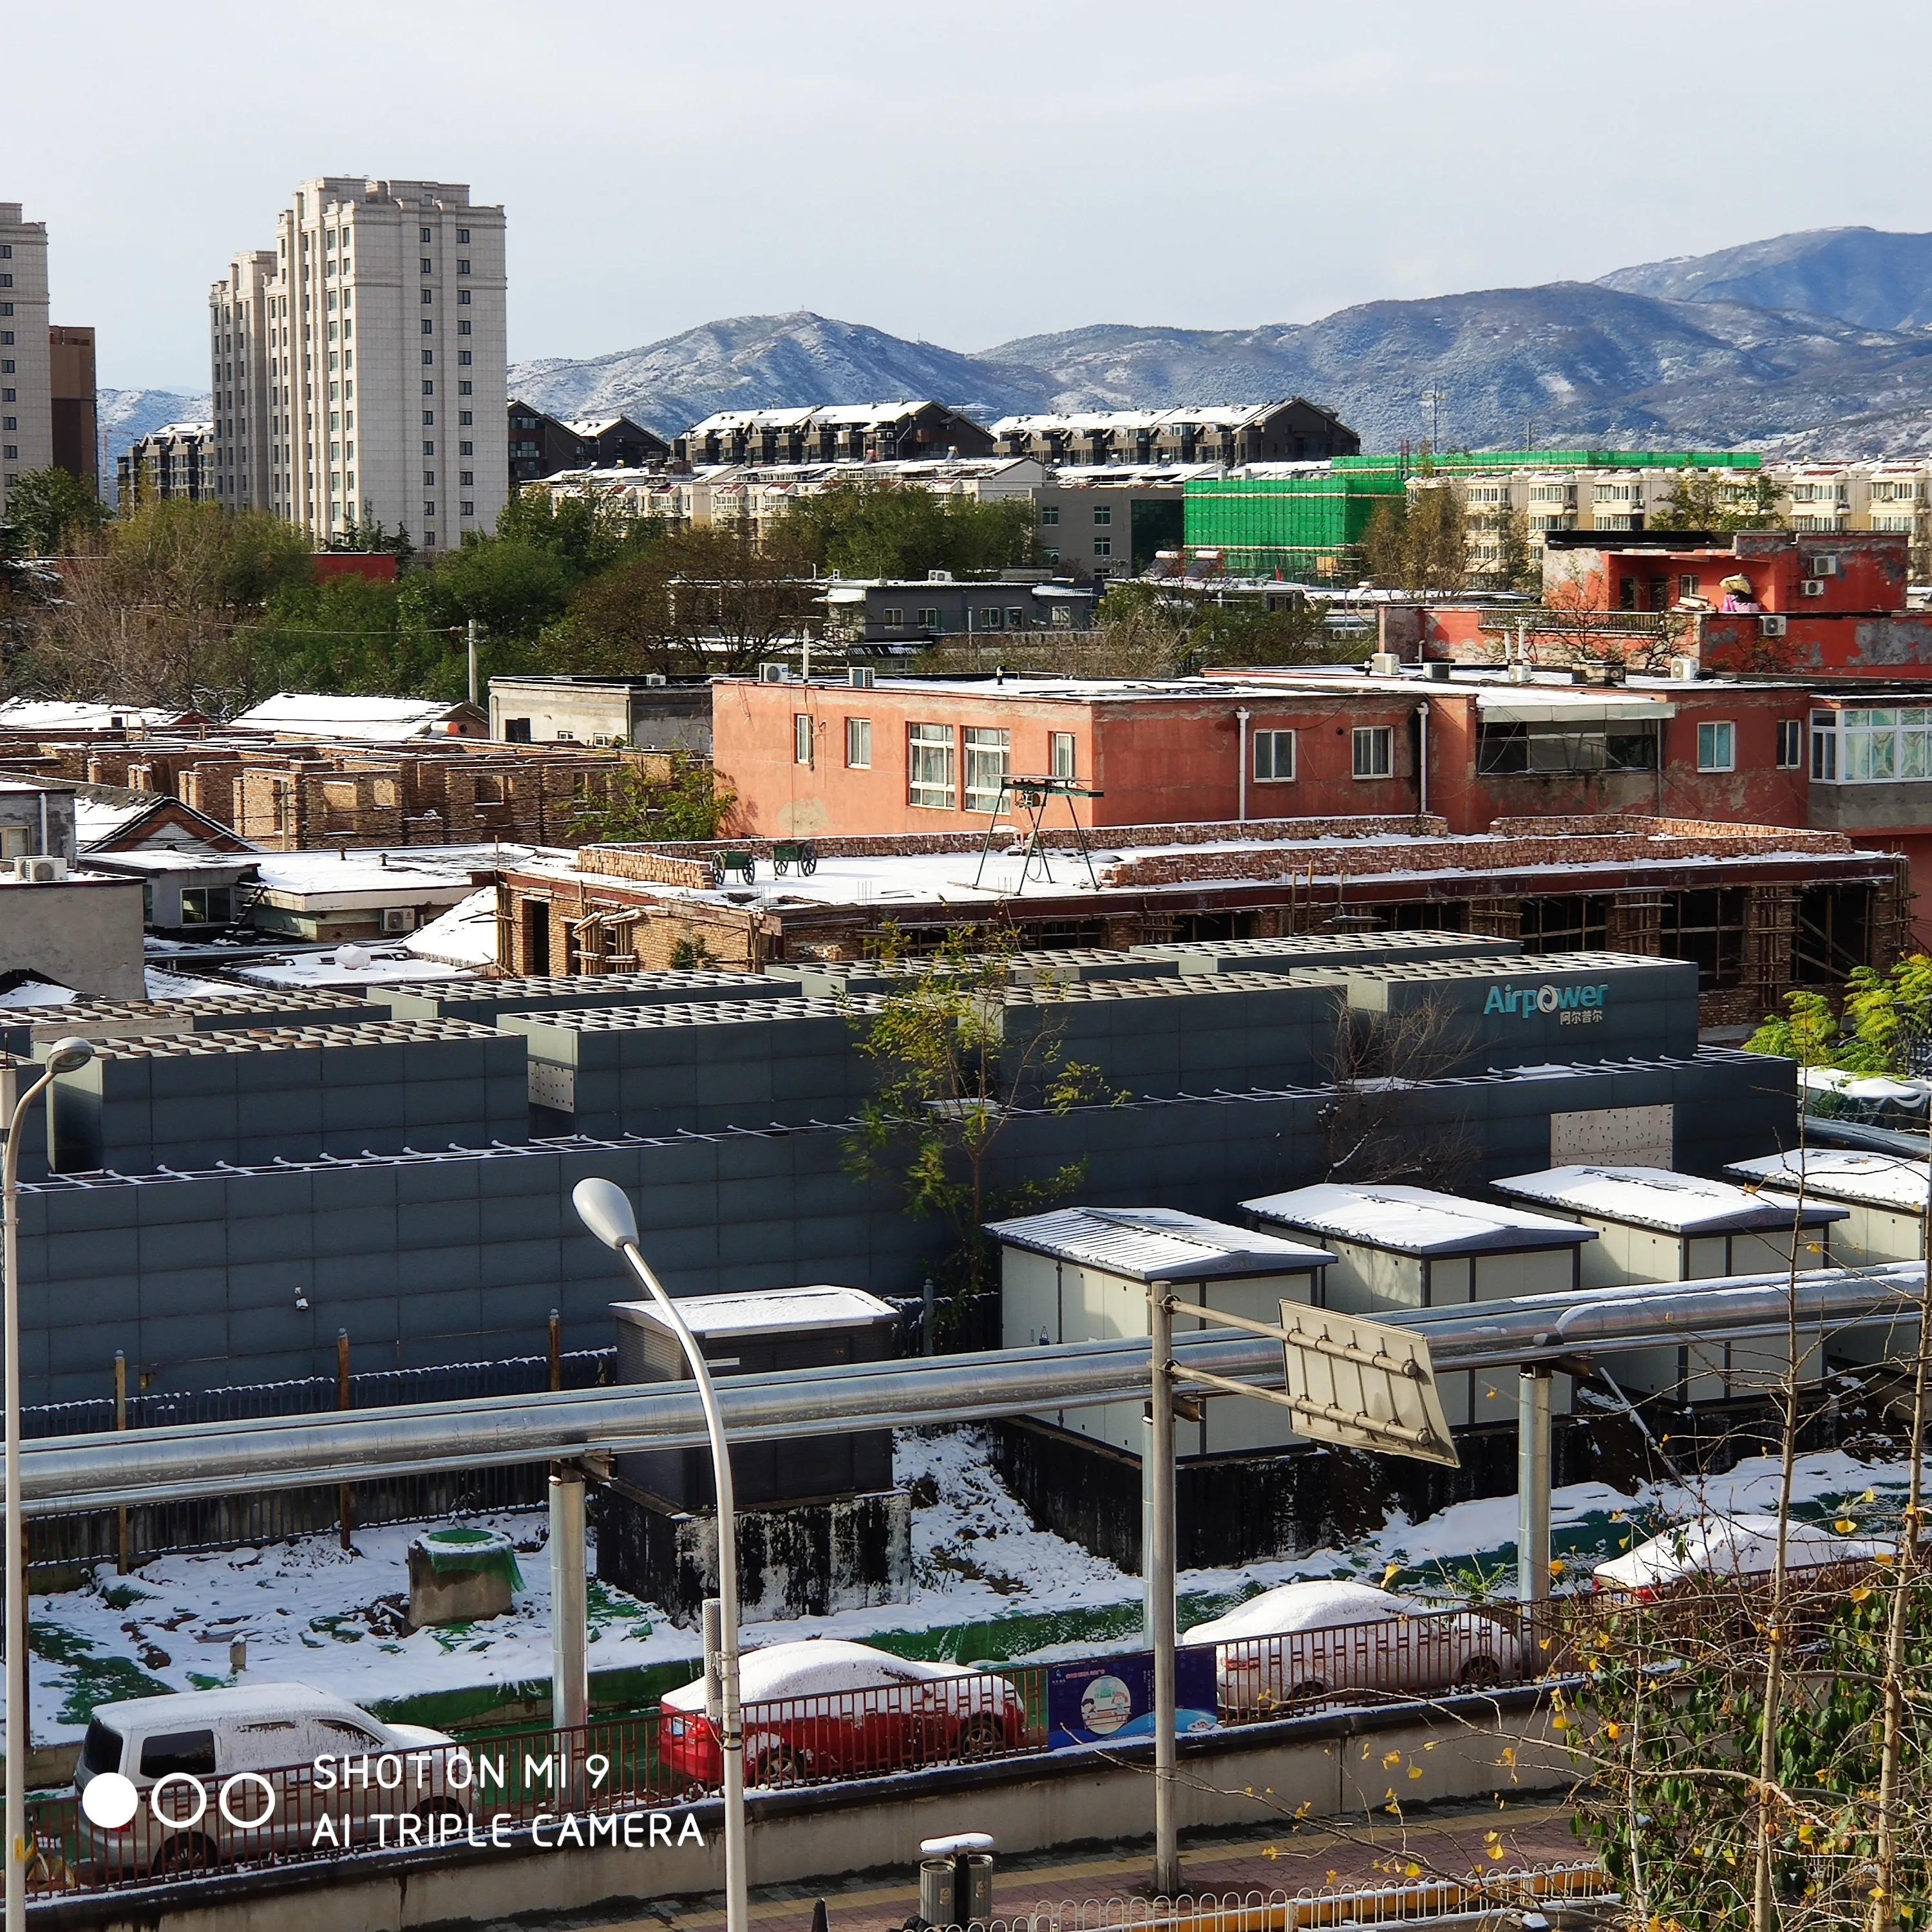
x: 360, y: 370
x: 26, y: 396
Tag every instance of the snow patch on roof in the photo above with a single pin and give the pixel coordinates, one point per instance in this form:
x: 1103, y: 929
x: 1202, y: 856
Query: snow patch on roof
x: 1156, y: 1243
x: 1841, y: 1174
x: 466, y: 935
x: 1415, y: 1220
x: 1655, y: 1197
x: 325, y: 715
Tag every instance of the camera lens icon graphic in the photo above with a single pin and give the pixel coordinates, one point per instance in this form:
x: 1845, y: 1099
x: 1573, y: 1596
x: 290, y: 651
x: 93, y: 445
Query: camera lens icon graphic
x: 110, y: 1801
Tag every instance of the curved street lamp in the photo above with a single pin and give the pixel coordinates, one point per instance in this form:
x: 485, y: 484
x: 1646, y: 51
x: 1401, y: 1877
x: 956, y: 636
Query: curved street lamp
x: 604, y: 1209
x: 62, y: 1057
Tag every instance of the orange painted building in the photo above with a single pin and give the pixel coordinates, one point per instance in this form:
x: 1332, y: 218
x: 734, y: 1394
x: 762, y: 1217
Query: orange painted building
x: 912, y: 756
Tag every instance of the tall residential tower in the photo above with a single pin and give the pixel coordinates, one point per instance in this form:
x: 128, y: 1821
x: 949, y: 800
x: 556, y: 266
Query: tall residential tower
x: 26, y: 409
x: 360, y: 366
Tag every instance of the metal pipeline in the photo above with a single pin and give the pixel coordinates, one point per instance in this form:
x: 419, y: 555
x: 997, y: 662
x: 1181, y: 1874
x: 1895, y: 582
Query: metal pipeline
x: 63, y: 1474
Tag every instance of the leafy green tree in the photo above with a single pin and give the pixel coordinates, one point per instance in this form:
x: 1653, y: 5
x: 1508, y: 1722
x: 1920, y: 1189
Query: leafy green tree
x: 954, y: 1065
x: 1697, y: 501
x: 1884, y: 1023
x: 589, y: 534
x: 1419, y: 542
x: 878, y: 530
x: 689, y: 805
x: 55, y: 510
x: 373, y: 536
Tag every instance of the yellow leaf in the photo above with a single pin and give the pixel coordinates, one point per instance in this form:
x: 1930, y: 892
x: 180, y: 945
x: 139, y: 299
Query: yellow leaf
x: 1491, y: 1837
x: 1869, y: 1496
x: 1269, y: 1852
x: 1411, y: 1870
x: 1844, y: 1525
x: 1557, y: 1566
x: 1861, y: 1593
x: 1415, y: 1770
x: 1391, y: 1759
x: 1495, y: 1851
x: 1393, y: 1810
x: 1806, y: 1833
x: 1559, y: 1722
x: 1509, y: 1753
x: 1393, y: 1570
x: 1613, y: 1731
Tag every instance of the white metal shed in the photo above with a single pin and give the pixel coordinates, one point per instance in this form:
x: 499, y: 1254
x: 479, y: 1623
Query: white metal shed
x: 1082, y: 1274
x: 1399, y: 1248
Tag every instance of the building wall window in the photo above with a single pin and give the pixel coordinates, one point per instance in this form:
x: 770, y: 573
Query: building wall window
x: 1865, y: 746
x: 1373, y: 748
x: 1717, y: 747
x: 893, y: 616
x: 989, y: 761
x: 1103, y: 546
x: 929, y: 765
x: 801, y: 738
x: 1063, y: 754
x: 929, y: 618
x: 858, y: 744
x: 1274, y: 757
x: 1790, y: 744
x: 1103, y: 515
x: 1050, y: 516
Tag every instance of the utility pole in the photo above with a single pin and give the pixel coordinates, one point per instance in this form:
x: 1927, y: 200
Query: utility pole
x: 469, y: 639
x: 1158, y: 1562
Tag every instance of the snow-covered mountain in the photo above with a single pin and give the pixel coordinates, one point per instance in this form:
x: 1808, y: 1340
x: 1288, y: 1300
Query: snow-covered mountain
x: 769, y: 361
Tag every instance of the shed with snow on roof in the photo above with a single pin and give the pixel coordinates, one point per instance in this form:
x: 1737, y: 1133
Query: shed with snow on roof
x: 1084, y: 1274
x: 1401, y: 1248
x: 1654, y: 1226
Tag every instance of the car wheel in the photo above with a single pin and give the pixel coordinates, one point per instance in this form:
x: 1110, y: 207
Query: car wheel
x: 981, y: 1737
x: 1481, y: 1672
x: 184, y: 1852
x: 439, y: 1807
x: 779, y: 1764
x: 1309, y: 1690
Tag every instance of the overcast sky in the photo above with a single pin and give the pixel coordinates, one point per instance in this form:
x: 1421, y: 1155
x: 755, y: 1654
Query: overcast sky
x: 963, y: 173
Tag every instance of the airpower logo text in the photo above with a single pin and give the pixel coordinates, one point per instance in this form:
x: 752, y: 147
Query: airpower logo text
x: 1575, y: 1006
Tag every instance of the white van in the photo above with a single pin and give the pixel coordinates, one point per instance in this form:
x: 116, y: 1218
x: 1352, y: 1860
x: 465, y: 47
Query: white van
x: 254, y: 1750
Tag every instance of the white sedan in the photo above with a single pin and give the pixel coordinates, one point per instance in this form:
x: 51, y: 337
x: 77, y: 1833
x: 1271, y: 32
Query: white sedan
x: 1731, y: 1547
x: 1305, y: 1642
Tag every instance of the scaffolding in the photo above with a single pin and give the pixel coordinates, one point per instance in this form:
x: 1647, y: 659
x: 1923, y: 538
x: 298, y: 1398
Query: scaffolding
x: 1032, y: 798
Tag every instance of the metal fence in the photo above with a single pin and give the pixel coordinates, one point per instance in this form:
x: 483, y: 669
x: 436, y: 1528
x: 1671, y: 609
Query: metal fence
x: 275, y: 1787
x: 131, y: 1536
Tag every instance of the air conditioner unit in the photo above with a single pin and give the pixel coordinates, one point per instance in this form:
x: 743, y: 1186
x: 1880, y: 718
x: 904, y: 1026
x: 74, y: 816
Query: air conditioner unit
x: 939, y: 577
x: 40, y: 868
x: 1814, y: 587
x: 769, y: 672
x: 1821, y: 566
x: 862, y: 677
x: 654, y: 678
x: 398, y: 919
x: 1773, y: 627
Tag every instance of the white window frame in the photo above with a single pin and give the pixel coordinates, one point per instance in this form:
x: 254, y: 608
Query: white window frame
x: 931, y: 781
x: 987, y: 757
x: 1716, y: 753
x: 858, y: 744
x: 803, y: 738
x: 1790, y: 744
x: 1268, y: 763
x: 1103, y: 516
x: 1064, y: 755
x: 1371, y: 751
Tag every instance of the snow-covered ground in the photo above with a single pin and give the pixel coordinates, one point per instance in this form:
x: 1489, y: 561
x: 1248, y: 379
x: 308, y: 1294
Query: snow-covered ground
x: 986, y: 1584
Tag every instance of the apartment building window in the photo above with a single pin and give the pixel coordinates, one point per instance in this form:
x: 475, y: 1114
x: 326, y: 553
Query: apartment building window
x: 464, y: 417
x: 6, y: 366
x: 6, y: 251
x: 466, y: 448
x: 9, y: 395
x: 11, y: 451
x: 1717, y: 748
x: 6, y: 338
x: 858, y: 744
x: 429, y: 446
x: 893, y: 616
x: 989, y: 759
x: 1274, y: 757
x: 465, y: 388
x: 463, y: 358
x: 929, y: 766
x: 462, y: 237
x: 428, y: 295
x: 1015, y: 618
x: 463, y: 268
x: 1790, y: 744
x: 1061, y: 754
x: 429, y: 509
x: 428, y: 328
x: 1103, y: 514
x: 6, y: 281
x: 429, y: 387
x: 462, y: 296
x: 1374, y: 751
x: 6, y: 308
x: 801, y: 738
x: 1049, y: 516
x: 429, y: 479
x: 466, y: 479
x: 929, y: 618
x: 1686, y: 585
x: 1103, y: 546
x: 428, y: 234
x: 469, y: 509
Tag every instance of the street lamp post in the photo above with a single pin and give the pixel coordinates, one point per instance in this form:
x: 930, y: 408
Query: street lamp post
x: 65, y: 1055
x: 604, y: 1208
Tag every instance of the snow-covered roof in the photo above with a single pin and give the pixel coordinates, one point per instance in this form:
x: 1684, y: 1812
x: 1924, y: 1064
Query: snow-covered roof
x: 1655, y: 1197
x: 1415, y: 1220
x: 833, y: 416
x: 42, y: 714
x: 1085, y: 422
x: 325, y: 715
x: 466, y: 935
x: 340, y: 968
x: 408, y: 875
x: 1843, y: 1174
x: 1156, y: 1244
x: 763, y: 1311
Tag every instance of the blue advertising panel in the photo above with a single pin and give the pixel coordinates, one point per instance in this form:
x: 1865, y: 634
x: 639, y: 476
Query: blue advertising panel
x: 1110, y: 1699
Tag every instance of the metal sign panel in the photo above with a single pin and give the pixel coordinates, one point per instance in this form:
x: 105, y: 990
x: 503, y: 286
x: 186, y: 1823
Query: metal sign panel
x: 1362, y: 1385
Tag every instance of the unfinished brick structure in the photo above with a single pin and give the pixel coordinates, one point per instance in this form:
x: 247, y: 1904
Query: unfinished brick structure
x: 298, y: 796
x: 1760, y: 909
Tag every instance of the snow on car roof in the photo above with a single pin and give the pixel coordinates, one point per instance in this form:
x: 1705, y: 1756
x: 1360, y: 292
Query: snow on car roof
x: 1156, y: 1244
x: 1843, y: 1173
x: 245, y: 1700
x: 1740, y: 1544
x: 797, y: 1670
x: 1317, y: 1603
x: 1656, y: 1197
x: 1415, y: 1220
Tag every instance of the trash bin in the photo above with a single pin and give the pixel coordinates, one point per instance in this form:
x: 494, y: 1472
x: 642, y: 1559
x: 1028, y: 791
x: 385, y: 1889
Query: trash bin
x: 955, y: 1879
